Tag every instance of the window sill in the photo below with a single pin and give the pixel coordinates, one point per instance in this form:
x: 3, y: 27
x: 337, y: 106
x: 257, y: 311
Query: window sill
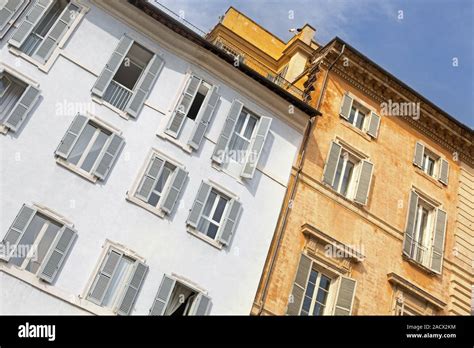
x: 119, y: 112
x: 186, y: 148
x: 429, y: 177
x: 156, y: 211
x: 76, y: 170
x: 219, y: 168
x: 43, y: 67
x: 356, y: 130
x: 204, y: 238
x: 419, y: 265
x: 3, y: 129
x: 342, y: 197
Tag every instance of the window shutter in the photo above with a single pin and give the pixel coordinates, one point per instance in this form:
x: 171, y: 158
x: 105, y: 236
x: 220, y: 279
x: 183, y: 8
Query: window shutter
x: 207, y: 110
x: 149, y: 180
x: 374, y: 124
x: 33, y: 17
x: 443, y: 171
x: 71, y: 136
x: 410, y: 228
x: 17, y: 116
x: 345, y: 296
x: 142, y: 90
x: 256, y: 147
x: 103, y: 277
x: 132, y: 288
x: 363, y: 186
x: 299, y: 286
x: 18, y: 227
x: 331, y: 163
x: 198, y: 205
x: 419, y: 152
x: 201, y: 305
x: 57, y: 254
x: 170, y: 197
x: 346, y: 106
x: 112, y: 66
x: 163, y: 296
x: 177, y: 118
x: 229, y: 223
x: 109, y: 156
x: 438, y: 241
x: 8, y: 12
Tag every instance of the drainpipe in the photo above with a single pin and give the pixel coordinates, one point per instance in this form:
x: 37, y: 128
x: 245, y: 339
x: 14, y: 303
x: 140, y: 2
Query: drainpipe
x: 302, y: 154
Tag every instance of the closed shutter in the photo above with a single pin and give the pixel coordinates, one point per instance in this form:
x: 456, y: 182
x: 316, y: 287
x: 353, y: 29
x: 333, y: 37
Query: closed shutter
x: 438, y: 241
x: 17, y: 116
x: 71, y: 136
x: 142, y: 90
x: 363, y: 186
x: 410, y: 227
x: 9, y: 11
x: 112, y: 66
x: 149, y: 179
x: 103, y: 277
x: 419, y: 153
x: 346, y: 106
x: 443, y: 171
x: 16, y: 230
x: 374, y: 124
x: 57, y: 254
x: 163, y: 296
x: 256, y: 147
x: 33, y: 17
x: 198, y: 205
x: 331, y: 163
x: 227, y: 130
x: 185, y: 101
x: 109, y: 155
x: 345, y: 296
x: 207, y: 110
x: 229, y: 223
x: 170, y: 197
x: 132, y: 288
x: 299, y: 286
x: 201, y: 305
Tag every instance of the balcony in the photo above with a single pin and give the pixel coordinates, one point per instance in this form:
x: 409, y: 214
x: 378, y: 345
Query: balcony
x: 117, y: 95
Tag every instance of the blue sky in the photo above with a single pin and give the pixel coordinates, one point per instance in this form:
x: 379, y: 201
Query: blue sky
x: 419, y: 49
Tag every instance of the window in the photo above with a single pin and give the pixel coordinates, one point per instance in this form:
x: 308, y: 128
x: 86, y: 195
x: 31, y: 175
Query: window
x: 316, y: 295
x: 5, y: 83
x: 345, y: 174
x: 212, y: 214
x: 38, y: 242
x: 243, y: 131
x: 359, y: 116
x: 10, y: 10
x: 430, y: 163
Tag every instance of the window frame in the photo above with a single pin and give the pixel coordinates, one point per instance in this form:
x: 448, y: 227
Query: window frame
x: 219, y: 195
x: 248, y: 116
x: 427, y: 235
x: 359, y: 108
x: 331, y: 292
x: 4, y: 76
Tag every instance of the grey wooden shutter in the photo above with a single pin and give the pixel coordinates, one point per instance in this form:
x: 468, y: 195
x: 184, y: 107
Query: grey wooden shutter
x: 103, y: 277
x: 201, y: 305
x: 177, y: 118
x: 438, y: 241
x: 112, y: 66
x: 374, y: 124
x: 9, y: 11
x: 71, y: 136
x: 132, y: 288
x: 203, y: 120
x: 229, y: 223
x: 410, y: 227
x: 109, y: 155
x: 345, y: 296
x: 227, y: 130
x: 443, y: 171
x: 162, y: 296
x: 198, y: 205
x: 18, y: 227
x: 142, y: 90
x: 33, y: 17
x: 299, y: 286
x: 363, y: 186
x: 170, y: 197
x: 256, y: 147
x: 17, y: 116
x: 57, y: 254
x: 419, y: 153
x: 331, y: 163
x: 149, y: 179
x: 346, y: 106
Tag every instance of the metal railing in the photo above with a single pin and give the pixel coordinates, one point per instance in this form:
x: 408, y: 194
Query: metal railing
x: 117, y: 95
x: 31, y: 43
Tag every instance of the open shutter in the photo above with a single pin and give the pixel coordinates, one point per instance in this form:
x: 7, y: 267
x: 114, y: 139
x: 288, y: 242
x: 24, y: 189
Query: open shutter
x: 438, y: 241
x: 162, y: 296
x: 149, y: 179
x: 346, y: 106
x: 103, y: 277
x: 443, y: 171
x: 142, y: 90
x: 331, y: 163
x: 9, y: 11
x: 229, y: 223
x: 198, y: 205
x: 33, y: 17
x: 132, y: 288
x: 207, y: 110
x: 16, y: 230
x: 201, y: 305
x: 112, y: 66
x: 299, y: 286
x: 419, y: 152
x: 410, y: 228
x: 170, y: 197
x: 345, y: 296
x: 177, y: 118
x: 71, y: 136
x: 256, y: 147
x: 227, y: 130
x: 374, y: 124
x: 109, y: 155
x: 17, y: 116
x: 57, y: 254
x: 363, y: 186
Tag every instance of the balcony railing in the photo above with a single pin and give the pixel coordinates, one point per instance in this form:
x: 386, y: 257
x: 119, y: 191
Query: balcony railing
x: 420, y: 253
x: 117, y: 95
x: 31, y: 43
